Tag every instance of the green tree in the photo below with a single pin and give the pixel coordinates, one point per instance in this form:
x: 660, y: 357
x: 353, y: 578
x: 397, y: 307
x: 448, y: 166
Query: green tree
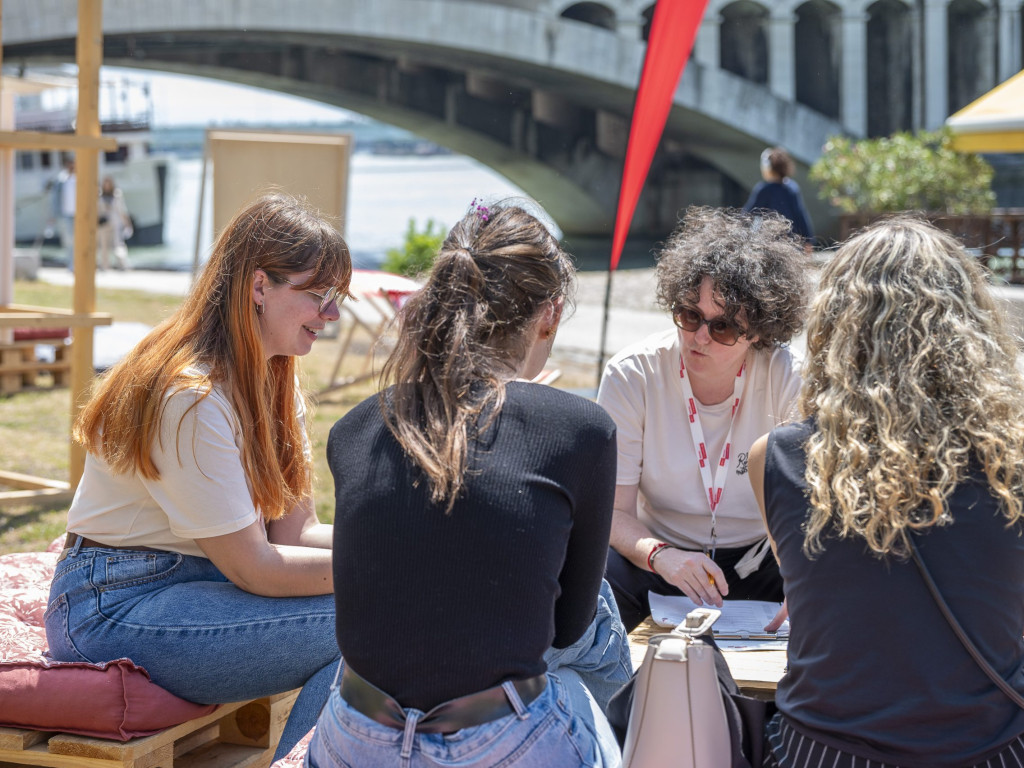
x: 903, y: 172
x: 417, y: 253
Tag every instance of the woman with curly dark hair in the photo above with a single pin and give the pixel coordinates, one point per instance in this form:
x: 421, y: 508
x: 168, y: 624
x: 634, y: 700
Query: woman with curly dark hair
x: 688, y: 403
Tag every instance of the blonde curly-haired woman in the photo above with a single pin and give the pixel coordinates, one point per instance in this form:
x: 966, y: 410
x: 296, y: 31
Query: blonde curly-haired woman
x: 913, y: 431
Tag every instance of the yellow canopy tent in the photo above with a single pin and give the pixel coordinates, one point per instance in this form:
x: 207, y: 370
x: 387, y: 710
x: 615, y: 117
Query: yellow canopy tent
x: 994, y: 122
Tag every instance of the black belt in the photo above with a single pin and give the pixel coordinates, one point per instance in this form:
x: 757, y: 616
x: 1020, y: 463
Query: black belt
x: 463, y: 712
x: 74, y: 538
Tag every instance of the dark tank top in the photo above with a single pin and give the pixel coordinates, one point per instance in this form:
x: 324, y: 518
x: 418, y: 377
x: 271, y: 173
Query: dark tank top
x: 874, y: 669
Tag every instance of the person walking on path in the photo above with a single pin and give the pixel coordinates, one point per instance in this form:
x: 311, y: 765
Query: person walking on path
x: 113, y: 226
x: 63, y: 203
x: 778, y: 192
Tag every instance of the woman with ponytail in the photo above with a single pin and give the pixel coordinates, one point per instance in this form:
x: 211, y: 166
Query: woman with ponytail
x: 193, y: 546
x: 473, y: 512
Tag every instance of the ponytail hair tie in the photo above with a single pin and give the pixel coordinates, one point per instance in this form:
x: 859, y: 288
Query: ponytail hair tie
x: 481, y: 210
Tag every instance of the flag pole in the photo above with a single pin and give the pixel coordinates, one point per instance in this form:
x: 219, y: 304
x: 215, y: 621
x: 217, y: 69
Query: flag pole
x: 604, y: 325
x: 674, y: 26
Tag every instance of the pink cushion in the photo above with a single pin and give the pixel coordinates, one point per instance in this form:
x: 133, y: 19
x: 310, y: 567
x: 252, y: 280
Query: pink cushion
x: 113, y: 700
x: 297, y: 757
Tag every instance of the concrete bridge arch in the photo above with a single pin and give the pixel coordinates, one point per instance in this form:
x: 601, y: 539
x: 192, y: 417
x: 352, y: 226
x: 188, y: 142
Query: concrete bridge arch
x: 545, y: 99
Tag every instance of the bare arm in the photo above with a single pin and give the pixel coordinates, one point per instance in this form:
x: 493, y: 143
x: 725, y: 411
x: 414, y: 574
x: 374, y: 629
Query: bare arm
x: 273, y: 570
x: 694, y: 573
x: 301, y: 528
x: 755, y: 468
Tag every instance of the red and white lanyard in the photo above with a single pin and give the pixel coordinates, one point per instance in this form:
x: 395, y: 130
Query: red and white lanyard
x: 713, y: 484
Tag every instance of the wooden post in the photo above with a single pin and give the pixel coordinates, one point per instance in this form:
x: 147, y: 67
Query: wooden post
x: 6, y: 193
x: 89, y: 55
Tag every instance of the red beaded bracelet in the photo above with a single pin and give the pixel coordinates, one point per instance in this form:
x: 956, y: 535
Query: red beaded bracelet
x: 654, y: 551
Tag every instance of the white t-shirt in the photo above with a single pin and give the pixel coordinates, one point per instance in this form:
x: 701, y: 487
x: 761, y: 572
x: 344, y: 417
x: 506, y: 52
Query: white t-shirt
x: 643, y: 392
x: 68, y: 195
x: 202, y: 490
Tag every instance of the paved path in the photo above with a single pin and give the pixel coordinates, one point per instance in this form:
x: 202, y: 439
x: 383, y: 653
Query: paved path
x: 171, y: 283
x: 633, y: 315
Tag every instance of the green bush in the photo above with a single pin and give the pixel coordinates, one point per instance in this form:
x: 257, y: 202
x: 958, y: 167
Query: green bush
x: 903, y: 172
x: 416, y: 256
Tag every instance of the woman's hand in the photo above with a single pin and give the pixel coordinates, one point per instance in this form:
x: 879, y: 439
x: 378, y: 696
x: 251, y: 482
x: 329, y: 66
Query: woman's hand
x: 780, y: 617
x: 696, y: 574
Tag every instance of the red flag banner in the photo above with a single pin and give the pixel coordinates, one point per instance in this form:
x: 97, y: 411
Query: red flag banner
x: 673, y: 30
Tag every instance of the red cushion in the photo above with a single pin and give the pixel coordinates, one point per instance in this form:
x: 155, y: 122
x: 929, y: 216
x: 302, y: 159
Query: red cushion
x: 114, y: 700
x: 34, y: 334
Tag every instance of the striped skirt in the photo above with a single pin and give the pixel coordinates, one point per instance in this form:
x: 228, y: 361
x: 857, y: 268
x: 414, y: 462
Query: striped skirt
x: 788, y: 748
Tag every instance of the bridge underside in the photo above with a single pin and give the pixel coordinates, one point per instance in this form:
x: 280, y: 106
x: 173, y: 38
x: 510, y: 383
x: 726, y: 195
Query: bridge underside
x: 563, y: 144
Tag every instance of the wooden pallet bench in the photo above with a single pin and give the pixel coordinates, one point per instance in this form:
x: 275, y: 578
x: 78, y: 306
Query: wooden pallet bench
x: 19, y: 369
x: 240, y: 735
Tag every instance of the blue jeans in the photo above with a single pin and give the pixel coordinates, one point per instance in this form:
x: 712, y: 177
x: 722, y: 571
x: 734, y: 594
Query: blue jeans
x: 546, y: 734
x: 601, y: 656
x: 564, y: 727
x: 196, y: 634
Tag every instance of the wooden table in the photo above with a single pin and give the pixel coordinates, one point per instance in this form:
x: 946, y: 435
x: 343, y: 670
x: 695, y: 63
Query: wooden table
x: 757, y: 673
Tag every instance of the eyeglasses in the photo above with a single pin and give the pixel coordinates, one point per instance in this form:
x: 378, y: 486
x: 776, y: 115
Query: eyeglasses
x: 325, y: 298
x: 720, y: 330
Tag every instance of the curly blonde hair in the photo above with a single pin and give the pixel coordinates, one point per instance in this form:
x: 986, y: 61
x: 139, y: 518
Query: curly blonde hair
x: 911, y: 377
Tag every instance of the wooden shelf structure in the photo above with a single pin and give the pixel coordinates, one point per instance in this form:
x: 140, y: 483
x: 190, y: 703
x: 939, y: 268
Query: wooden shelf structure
x: 86, y: 143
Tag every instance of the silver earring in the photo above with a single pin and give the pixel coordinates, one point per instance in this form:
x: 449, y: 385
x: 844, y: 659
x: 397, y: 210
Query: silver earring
x: 259, y: 308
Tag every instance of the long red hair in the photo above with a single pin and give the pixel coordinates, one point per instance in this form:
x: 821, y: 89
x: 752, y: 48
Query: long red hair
x: 213, y: 339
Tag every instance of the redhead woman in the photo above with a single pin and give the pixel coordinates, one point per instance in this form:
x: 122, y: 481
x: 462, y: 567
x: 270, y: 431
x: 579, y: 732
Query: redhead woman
x: 470, y: 536
x: 193, y: 546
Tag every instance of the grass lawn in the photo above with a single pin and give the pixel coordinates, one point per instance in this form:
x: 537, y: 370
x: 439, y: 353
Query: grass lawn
x: 35, y: 426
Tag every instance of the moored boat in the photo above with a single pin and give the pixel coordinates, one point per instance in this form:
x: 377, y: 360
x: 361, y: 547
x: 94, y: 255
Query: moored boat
x: 141, y: 175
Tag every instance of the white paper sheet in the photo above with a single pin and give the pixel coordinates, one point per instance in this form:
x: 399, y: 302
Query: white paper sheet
x: 740, y: 618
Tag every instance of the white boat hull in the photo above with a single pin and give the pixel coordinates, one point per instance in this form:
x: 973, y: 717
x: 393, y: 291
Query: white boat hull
x: 143, y: 181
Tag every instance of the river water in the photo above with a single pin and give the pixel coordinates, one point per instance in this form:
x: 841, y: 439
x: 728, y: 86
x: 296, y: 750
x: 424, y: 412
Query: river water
x: 384, y: 193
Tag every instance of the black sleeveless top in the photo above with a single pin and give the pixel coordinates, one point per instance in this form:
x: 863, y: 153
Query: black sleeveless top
x: 874, y: 669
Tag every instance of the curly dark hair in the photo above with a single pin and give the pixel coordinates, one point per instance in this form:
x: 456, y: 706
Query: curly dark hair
x: 756, y: 263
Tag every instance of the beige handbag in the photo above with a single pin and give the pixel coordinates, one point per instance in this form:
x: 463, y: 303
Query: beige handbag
x: 677, y: 718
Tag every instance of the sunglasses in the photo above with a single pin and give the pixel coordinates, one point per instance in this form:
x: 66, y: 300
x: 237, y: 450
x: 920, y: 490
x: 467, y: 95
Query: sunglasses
x: 325, y: 298
x: 720, y: 330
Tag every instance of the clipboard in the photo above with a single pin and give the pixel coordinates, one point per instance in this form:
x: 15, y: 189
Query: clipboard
x: 740, y: 619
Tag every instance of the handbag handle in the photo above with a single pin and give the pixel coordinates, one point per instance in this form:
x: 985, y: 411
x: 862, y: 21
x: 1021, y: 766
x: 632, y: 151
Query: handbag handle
x: 972, y: 649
